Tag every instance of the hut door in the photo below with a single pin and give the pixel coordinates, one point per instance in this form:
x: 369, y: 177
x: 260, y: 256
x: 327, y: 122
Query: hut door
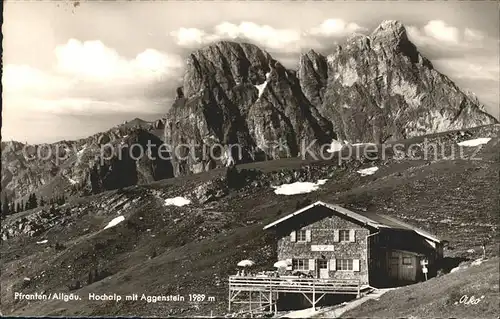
x: 394, y: 265
x: 409, y: 268
x: 323, y: 268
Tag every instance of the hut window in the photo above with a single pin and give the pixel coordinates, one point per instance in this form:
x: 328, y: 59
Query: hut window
x: 344, y: 235
x: 322, y: 264
x: 300, y: 264
x: 407, y: 261
x: 302, y: 235
x: 344, y: 264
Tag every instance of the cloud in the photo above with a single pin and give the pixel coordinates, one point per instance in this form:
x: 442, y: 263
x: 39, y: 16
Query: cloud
x: 80, y: 105
x: 263, y: 35
x: 472, y: 35
x: 187, y: 37
x: 477, y: 74
x: 93, y: 61
x: 472, y: 68
x: 88, y: 78
x: 336, y: 28
x: 92, y: 70
x: 268, y: 37
x: 468, y: 56
x: 21, y: 79
x: 437, y: 33
x: 91, y: 79
x: 439, y: 30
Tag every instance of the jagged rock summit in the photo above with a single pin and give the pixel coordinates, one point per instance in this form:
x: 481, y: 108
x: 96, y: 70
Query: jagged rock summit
x: 390, y: 31
x: 381, y: 88
x: 373, y: 88
x: 236, y: 93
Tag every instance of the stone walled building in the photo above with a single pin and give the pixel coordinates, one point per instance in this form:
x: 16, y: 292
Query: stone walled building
x: 329, y: 241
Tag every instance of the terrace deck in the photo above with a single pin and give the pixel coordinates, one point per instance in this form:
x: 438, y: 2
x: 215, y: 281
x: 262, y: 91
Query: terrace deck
x: 268, y: 288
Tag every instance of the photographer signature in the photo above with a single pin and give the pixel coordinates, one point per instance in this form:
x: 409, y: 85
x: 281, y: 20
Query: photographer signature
x: 466, y: 300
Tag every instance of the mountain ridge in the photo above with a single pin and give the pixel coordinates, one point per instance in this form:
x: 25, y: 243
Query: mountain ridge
x: 372, y: 88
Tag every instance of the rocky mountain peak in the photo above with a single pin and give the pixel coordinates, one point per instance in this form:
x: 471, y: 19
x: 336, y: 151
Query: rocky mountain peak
x: 358, y: 40
x: 390, y: 32
x: 227, y: 63
x: 373, y: 88
x: 236, y: 93
x: 311, y: 59
x: 312, y: 74
x: 311, y: 55
x: 390, y: 28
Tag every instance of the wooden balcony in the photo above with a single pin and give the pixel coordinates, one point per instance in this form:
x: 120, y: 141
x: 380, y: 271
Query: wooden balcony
x: 267, y: 289
x: 295, y: 285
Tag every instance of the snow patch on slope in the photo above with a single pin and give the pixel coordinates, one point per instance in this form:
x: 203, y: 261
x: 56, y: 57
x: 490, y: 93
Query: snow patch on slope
x: 262, y: 86
x: 335, y: 146
x: 361, y: 144
x: 115, y: 222
x: 455, y: 269
x: 368, y: 171
x: 80, y: 152
x: 298, y: 187
x: 177, y: 201
x: 477, y: 262
x: 475, y: 142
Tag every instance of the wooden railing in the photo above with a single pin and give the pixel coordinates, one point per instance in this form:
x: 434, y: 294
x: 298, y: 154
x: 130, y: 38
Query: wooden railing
x: 295, y: 285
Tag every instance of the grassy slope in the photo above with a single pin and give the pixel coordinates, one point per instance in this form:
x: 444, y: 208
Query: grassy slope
x: 199, y: 245
x: 438, y: 297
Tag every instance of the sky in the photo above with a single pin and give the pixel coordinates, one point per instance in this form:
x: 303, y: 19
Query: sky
x: 72, y: 70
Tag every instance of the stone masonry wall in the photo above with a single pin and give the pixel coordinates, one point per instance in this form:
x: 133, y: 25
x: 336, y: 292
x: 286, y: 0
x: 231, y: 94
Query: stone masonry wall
x: 322, y: 233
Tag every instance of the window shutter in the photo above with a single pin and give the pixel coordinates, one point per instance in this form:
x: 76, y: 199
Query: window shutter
x: 336, y: 235
x: 289, y: 264
x: 333, y: 265
x: 311, y: 264
x: 352, y: 235
x: 308, y: 235
x: 355, y: 265
x: 293, y: 236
